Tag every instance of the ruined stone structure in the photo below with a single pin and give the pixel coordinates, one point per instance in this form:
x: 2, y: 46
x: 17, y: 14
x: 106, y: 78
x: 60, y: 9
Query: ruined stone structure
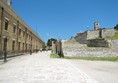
x: 57, y: 48
x: 92, y: 43
x: 15, y: 35
x: 88, y: 35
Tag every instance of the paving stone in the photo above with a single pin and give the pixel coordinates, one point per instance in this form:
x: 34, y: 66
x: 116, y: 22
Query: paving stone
x: 40, y: 68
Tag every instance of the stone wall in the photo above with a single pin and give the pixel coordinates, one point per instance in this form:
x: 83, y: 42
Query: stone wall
x: 84, y: 51
x: 113, y: 44
x: 93, y: 34
x: 57, y: 48
x: 97, y: 43
x: 81, y: 38
x: 21, y: 33
x: 107, y: 33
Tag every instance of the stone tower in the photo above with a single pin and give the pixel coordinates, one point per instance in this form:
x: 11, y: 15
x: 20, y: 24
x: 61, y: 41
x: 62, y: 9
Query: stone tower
x: 96, y: 26
x: 9, y: 3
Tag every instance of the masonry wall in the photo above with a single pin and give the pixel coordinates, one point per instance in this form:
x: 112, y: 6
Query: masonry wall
x: 93, y: 34
x: 97, y: 43
x: 108, y: 33
x: 80, y: 50
x: 81, y: 38
x: 25, y: 38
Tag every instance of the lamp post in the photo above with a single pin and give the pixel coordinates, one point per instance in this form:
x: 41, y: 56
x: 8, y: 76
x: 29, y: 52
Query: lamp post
x: 5, y: 48
x: 30, y: 49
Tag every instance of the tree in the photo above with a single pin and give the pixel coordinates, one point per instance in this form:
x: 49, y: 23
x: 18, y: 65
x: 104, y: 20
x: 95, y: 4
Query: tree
x: 116, y: 27
x: 49, y: 42
x: 44, y: 47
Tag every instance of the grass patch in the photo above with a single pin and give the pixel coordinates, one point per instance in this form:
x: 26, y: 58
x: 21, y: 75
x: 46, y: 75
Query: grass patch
x: 115, y: 36
x: 54, y: 56
x: 94, y: 58
x: 115, y: 59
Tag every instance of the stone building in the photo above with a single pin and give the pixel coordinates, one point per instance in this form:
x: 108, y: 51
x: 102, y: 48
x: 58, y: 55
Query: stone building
x: 15, y: 35
x: 97, y: 33
x: 96, y: 26
x: 57, y: 48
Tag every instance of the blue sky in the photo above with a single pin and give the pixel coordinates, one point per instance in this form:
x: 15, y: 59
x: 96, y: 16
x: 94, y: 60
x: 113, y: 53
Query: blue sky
x: 62, y: 19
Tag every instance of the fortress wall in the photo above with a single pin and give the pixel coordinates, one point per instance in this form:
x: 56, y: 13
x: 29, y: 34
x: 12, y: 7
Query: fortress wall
x: 107, y: 33
x: 84, y: 51
x: 92, y: 34
x: 113, y: 44
x: 81, y: 38
x: 97, y: 43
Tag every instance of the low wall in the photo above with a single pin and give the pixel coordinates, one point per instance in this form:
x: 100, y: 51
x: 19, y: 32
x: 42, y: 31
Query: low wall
x: 93, y: 34
x: 113, y: 44
x: 108, y: 33
x: 97, y: 43
x: 84, y: 51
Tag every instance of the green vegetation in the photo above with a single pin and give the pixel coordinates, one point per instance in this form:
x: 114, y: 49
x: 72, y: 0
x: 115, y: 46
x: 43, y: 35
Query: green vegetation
x: 94, y: 58
x: 116, y: 27
x: 54, y: 56
x: 115, y: 36
x: 44, y: 47
x: 49, y: 42
x: 87, y: 58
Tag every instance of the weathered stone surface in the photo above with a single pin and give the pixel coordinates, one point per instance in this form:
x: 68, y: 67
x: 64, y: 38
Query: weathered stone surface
x: 94, y: 34
x: 84, y: 51
x: 97, y: 43
x: 107, y: 33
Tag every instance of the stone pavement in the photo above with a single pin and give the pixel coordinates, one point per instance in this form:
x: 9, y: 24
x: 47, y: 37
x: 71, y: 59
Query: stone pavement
x: 40, y: 68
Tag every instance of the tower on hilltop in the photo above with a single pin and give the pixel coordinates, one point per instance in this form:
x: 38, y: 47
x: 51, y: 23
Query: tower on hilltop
x: 96, y: 26
x: 9, y: 2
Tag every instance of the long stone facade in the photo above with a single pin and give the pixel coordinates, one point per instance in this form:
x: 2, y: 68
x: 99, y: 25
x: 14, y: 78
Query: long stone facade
x: 15, y: 35
x: 80, y: 50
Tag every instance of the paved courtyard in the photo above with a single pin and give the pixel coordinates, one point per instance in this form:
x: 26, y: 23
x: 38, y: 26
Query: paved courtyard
x: 40, y: 68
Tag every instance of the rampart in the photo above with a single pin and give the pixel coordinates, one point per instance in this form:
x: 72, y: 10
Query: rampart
x: 81, y: 50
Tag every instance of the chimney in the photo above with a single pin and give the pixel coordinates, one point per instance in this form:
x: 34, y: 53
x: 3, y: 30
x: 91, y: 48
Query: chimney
x: 9, y: 3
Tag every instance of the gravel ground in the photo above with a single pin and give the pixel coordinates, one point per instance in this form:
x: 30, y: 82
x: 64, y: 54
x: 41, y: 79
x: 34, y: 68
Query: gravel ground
x: 40, y: 68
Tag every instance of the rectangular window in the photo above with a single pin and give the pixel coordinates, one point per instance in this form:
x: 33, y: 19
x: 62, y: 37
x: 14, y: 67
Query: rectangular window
x: 19, y: 46
x: 19, y: 31
x: 6, y: 24
x: 31, y: 38
x: 26, y: 47
x: 14, y: 28
x: 13, y: 45
x: 23, y: 33
x: 23, y: 46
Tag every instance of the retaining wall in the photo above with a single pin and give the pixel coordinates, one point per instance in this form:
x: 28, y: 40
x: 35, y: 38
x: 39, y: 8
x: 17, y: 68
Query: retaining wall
x: 84, y: 51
